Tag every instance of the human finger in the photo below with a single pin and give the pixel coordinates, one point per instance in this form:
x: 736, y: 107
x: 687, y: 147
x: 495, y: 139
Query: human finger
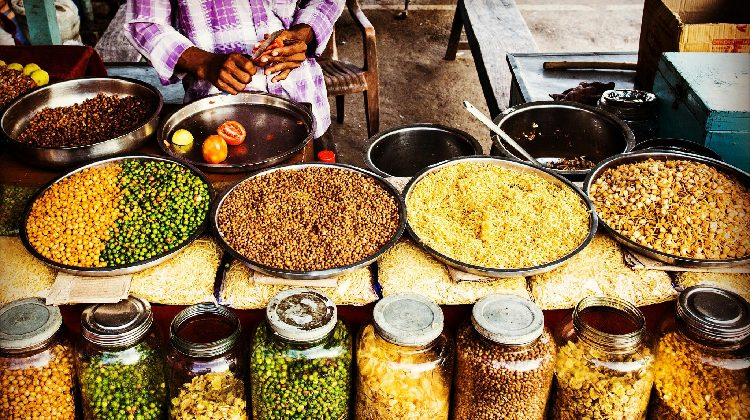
x: 281, y: 76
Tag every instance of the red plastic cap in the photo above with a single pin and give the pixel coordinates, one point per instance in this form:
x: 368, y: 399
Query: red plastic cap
x: 327, y: 156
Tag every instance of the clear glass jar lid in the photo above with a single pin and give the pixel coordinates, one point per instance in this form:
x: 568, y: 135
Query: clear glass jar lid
x: 27, y: 324
x: 508, y: 319
x: 205, y: 330
x: 714, y: 316
x: 118, y: 324
x: 301, y: 315
x: 408, y: 319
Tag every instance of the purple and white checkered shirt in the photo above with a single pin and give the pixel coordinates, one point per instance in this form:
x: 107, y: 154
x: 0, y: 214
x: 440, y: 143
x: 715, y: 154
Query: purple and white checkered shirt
x: 227, y: 26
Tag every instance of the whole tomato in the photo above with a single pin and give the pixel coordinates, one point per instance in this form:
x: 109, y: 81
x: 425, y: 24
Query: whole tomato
x: 214, y: 149
x: 232, y: 132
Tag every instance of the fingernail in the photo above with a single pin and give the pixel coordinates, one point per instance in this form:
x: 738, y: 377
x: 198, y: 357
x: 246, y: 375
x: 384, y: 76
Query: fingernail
x: 264, y: 59
x: 268, y: 72
x: 275, y: 53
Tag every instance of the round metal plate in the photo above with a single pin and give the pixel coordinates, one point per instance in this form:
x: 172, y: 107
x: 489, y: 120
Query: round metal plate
x: 518, y: 166
x: 121, y: 269
x: 277, y: 128
x: 315, y: 274
x: 634, y: 157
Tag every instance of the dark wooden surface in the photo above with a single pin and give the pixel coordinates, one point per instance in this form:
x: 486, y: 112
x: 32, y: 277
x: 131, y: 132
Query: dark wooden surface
x: 493, y: 29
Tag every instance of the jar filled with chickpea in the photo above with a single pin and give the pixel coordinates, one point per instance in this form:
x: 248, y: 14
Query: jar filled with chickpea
x: 37, y: 374
x: 703, y: 358
x: 404, y: 361
x: 605, y: 365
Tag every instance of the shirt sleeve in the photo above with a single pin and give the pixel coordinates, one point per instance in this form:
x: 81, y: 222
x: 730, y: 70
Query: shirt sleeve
x: 321, y: 15
x: 148, y: 26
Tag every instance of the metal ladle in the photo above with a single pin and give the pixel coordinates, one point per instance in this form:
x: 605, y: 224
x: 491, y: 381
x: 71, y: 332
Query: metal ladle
x: 499, y: 131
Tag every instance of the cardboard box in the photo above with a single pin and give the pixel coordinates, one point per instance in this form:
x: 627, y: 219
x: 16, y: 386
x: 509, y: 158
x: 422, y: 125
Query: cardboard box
x: 690, y: 26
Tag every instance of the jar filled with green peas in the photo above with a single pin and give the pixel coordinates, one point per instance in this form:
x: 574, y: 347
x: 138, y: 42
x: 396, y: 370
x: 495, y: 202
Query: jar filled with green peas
x: 300, y: 359
x: 120, y: 363
x: 206, y: 364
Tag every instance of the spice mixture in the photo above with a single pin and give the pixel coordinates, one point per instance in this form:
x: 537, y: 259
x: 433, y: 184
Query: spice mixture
x: 117, y: 214
x: 215, y: 395
x: 495, y: 217
x: 13, y: 83
x: 13, y: 200
x: 97, y: 119
x: 600, y: 385
x: 296, y: 383
x: 678, y: 207
x: 571, y: 164
x: 40, y: 389
x: 690, y: 383
x: 309, y: 219
x: 393, y: 384
x: 495, y: 381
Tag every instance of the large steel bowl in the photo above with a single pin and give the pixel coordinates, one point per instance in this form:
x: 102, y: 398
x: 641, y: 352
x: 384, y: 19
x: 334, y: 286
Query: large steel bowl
x: 517, y: 166
x: 406, y: 150
x: 315, y: 274
x: 70, y: 92
x: 615, y: 161
x: 120, y: 269
x: 550, y: 131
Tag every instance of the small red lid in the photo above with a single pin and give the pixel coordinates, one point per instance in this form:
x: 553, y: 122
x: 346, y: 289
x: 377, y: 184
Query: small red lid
x: 327, y: 156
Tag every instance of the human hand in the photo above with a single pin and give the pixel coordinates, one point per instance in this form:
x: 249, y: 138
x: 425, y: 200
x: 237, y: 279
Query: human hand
x: 228, y: 72
x: 287, y: 52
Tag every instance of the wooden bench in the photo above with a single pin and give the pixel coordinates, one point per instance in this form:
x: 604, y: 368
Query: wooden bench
x: 493, y: 28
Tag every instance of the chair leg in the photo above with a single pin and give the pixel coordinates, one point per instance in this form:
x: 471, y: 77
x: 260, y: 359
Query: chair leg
x: 340, y: 109
x: 372, y: 111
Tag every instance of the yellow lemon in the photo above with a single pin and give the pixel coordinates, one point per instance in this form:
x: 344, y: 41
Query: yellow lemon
x: 182, y: 137
x: 2, y: 63
x: 30, y: 68
x: 15, y: 66
x: 40, y: 77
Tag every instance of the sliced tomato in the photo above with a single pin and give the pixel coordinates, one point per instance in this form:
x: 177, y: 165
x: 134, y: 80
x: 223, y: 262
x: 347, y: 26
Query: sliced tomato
x: 214, y: 149
x: 232, y: 132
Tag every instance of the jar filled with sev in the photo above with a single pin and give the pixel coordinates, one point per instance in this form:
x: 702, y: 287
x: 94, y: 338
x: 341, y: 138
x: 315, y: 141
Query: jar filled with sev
x: 37, y: 374
x: 605, y: 366
x: 703, y: 358
x: 206, y: 365
x: 404, y: 361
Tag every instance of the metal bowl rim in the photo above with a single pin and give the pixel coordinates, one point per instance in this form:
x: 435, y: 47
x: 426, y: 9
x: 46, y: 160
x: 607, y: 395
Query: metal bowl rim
x: 223, y: 167
x: 629, y: 136
x: 311, y: 274
x: 625, y: 158
x: 381, y: 136
x: 504, y: 272
x: 151, y: 119
x: 121, y: 269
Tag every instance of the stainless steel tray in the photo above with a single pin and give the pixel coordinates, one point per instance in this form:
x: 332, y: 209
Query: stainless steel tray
x: 634, y: 157
x: 67, y: 93
x: 276, y: 129
x: 518, y: 166
x: 316, y: 274
x: 121, y: 269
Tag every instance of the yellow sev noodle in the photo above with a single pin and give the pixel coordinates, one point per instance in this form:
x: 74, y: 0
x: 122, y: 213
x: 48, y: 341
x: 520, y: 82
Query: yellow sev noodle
x: 496, y: 217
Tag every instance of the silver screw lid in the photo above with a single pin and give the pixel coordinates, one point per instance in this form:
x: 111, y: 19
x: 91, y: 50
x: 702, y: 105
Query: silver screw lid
x: 118, y: 324
x: 27, y: 324
x: 209, y: 349
x: 408, y: 319
x: 508, y: 319
x: 301, y: 315
x: 714, y: 316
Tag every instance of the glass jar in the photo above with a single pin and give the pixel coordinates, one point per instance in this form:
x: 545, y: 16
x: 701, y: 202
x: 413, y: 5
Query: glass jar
x: 205, y: 364
x: 37, y: 374
x: 404, y: 361
x: 604, y: 366
x: 505, y: 361
x: 636, y: 108
x: 120, y: 362
x: 703, y: 358
x: 301, y: 359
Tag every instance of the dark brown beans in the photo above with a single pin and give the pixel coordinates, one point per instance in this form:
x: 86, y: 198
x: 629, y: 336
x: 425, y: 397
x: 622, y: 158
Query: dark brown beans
x: 13, y: 83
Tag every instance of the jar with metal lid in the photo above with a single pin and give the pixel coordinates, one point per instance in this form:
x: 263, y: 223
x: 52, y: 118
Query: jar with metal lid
x: 404, y: 361
x: 37, y: 375
x: 703, y: 358
x: 505, y: 361
x: 605, y: 366
x: 120, y: 362
x: 206, y: 364
x: 300, y: 359
x: 636, y: 108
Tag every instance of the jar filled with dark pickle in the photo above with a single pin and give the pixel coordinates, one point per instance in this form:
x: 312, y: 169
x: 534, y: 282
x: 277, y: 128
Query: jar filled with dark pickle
x: 120, y: 362
x: 301, y: 359
x: 37, y: 374
x: 206, y: 364
x: 636, y: 108
x: 505, y: 361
